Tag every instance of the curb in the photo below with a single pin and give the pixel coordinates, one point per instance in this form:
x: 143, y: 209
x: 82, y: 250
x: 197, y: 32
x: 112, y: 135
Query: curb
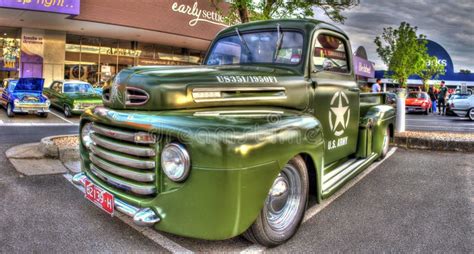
x: 44, y: 157
x: 50, y: 149
x: 434, y: 144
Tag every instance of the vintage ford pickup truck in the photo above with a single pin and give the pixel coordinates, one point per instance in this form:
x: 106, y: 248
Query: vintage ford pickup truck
x: 235, y: 146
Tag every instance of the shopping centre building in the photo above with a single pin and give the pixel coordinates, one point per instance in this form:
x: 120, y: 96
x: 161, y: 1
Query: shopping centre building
x: 92, y: 40
x: 454, y: 80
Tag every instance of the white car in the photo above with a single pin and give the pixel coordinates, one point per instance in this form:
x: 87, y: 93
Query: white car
x: 464, y: 107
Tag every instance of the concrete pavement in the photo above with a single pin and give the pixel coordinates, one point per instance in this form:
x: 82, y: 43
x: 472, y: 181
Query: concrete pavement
x: 415, y: 201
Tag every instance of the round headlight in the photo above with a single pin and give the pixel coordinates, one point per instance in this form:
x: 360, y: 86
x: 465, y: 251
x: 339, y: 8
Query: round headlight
x: 48, y: 103
x: 86, y: 134
x: 175, y: 162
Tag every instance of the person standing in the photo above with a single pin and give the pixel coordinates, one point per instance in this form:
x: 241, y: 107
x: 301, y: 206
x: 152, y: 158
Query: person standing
x: 432, y: 95
x: 376, y: 86
x: 443, y: 91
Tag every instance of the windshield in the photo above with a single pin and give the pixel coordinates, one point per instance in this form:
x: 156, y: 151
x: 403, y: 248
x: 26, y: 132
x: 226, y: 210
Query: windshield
x: 258, y: 47
x: 417, y: 96
x: 78, y: 88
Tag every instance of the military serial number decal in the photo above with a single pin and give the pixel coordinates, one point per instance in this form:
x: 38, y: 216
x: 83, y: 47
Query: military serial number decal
x: 247, y: 79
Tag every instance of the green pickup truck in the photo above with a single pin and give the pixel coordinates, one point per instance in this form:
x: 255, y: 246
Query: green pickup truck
x: 237, y: 145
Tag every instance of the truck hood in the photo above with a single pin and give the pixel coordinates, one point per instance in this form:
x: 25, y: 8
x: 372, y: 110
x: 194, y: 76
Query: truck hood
x: 181, y: 87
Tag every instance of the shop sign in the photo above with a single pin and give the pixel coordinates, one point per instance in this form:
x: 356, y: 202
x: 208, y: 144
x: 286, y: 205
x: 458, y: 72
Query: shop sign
x: 71, y: 7
x: 103, y: 50
x: 363, y: 67
x: 198, y: 15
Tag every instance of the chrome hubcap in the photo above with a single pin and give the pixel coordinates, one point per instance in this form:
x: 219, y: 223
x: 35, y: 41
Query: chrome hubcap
x: 284, y: 199
x: 471, y: 114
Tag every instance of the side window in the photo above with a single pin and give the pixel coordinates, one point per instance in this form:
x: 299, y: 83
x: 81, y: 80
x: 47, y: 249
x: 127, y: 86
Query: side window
x: 330, y: 54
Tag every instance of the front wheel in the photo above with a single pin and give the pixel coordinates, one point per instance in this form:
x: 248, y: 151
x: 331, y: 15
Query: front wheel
x: 67, y: 111
x: 284, y: 206
x: 44, y: 114
x: 10, y: 112
x: 471, y: 114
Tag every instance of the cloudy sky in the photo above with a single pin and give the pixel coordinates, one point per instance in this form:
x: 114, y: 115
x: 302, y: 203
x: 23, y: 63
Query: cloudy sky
x: 450, y: 23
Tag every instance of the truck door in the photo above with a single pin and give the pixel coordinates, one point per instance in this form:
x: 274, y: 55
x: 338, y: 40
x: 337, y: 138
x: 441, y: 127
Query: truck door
x: 336, y: 94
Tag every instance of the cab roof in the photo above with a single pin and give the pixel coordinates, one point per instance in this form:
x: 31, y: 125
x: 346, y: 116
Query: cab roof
x: 306, y: 25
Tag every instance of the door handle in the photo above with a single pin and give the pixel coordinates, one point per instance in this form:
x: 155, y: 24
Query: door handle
x: 354, y: 89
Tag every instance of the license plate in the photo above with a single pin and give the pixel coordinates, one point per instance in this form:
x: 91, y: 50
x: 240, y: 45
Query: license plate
x: 32, y: 111
x: 101, y: 198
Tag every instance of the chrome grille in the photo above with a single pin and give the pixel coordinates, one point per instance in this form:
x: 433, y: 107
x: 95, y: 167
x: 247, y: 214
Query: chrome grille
x: 122, y: 163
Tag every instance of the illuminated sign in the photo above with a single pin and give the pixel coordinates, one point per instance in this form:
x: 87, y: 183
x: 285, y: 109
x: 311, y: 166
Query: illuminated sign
x: 71, y: 7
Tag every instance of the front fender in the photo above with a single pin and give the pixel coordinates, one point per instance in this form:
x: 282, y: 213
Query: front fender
x: 235, y: 158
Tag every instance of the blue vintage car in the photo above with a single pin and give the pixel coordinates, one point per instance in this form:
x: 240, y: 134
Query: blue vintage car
x: 24, y: 95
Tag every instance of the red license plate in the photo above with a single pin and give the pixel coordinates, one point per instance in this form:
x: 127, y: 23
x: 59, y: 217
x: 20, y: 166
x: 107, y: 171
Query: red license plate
x: 101, y: 198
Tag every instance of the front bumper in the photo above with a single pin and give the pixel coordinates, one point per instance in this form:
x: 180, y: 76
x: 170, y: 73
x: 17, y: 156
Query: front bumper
x: 29, y: 109
x: 415, y: 109
x: 141, y: 216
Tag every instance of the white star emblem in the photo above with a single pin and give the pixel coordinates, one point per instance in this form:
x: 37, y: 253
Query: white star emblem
x: 340, y: 113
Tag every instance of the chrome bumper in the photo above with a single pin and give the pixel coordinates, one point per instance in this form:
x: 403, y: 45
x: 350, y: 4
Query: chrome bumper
x: 141, y: 216
x: 20, y: 109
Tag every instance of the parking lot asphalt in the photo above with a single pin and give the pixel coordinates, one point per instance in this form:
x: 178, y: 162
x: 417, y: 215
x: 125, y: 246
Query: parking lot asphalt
x: 54, y: 118
x: 435, y: 122
x: 415, y: 201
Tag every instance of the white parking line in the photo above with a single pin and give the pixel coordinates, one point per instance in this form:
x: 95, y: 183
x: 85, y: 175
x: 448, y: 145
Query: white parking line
x: 151, y: 234
x: 315, y: 209
x: 37, y: 124
x: 60, y: 117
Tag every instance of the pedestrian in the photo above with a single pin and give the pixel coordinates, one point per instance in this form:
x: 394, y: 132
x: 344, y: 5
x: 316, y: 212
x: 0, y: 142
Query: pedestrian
x: 432, y: 95
x: 443, y: 91
x: 376, y: 86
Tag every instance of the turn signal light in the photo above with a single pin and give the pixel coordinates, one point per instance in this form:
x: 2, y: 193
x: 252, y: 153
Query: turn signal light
x: 144, y: 138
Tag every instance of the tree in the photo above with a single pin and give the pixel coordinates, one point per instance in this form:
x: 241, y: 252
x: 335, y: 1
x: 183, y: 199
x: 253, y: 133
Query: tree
x: 244, y: 11
x: 403, y: 51
x: 432, y: 69
x: 465, y: 71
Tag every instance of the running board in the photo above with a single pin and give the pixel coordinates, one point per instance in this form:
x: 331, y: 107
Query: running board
x: 343, y: 172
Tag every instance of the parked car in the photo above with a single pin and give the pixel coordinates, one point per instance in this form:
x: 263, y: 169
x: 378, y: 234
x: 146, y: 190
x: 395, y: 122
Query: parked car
x: 24, y: 95
x: 449, y: 103
x: 191, y: 150
x: 464, y: 106
x: 72, y: 96
x: 418, y: 102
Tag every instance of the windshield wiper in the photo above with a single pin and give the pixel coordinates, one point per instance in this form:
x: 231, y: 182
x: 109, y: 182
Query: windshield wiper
x: 279, y: 42
x: 244, y: 43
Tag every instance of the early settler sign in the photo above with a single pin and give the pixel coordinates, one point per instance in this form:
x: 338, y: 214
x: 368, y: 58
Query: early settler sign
x: 57, y: 6
x: 197, y: 14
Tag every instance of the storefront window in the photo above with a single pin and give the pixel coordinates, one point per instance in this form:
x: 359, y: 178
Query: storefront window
x: 96, y: 60
x: 9, y: 52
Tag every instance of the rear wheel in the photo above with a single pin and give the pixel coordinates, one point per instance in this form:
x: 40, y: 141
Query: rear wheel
x: 67, y: 111
x: 284, y: 207
x: 10, y: 112
x: 471, y: 114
